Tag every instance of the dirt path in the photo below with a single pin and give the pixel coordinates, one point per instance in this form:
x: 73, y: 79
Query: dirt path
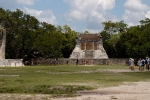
x: 128, y: 91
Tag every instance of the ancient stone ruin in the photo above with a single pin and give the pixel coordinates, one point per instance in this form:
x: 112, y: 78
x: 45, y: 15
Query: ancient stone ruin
x: 89, y: 47
x: 2, y: 43
x: 3, y: 61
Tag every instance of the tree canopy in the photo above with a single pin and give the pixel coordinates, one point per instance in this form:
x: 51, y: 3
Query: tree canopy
x: 27, y: 37
x: 123, y: 41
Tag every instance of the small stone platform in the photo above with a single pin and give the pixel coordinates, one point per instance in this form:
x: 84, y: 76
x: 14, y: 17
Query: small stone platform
x: 11, y: 63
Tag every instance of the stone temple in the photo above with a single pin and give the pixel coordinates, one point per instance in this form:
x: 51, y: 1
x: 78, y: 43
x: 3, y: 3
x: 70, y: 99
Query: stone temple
x: 89, y: 47
x: 3, y: 61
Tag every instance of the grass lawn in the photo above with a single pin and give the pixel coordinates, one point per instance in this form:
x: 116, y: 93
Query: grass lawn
x: 64, y: 79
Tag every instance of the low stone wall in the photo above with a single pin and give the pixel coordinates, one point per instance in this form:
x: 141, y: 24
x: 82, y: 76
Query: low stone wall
x: 118, y: 61
x: 50, y: 61
x: 90, y: 61
x: 11, y: 63
x: 110, y: 61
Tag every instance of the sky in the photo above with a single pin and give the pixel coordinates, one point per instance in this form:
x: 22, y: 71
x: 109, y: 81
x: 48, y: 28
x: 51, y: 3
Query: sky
x: 82, y: 15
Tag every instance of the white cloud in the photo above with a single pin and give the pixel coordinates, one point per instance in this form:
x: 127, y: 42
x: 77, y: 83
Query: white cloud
x: 136, y: 5
x: 42, y: 16
x: 74, y: 14
x: 33, y: 12
x: 88, y: 5
x: 147, y: 14
x: 134, y: 12
x: 91, y: 12
x: 25, y: 2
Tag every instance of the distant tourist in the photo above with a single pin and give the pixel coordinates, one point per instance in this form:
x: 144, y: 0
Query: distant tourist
x: 84, y: 62
x: 55, y: 61
x: 139, y: 63
x: 77, y: 61
x: 143, y: 64
x: 67, y: 61
x: 131, y: 62
x: 147, y: 63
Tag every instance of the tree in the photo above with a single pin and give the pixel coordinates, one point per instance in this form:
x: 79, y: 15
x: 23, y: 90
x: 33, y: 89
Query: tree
x: 114, y: 27
x: 68, y: 40
x: 24, y: 29
x: 113, y: 31
x: 21, y: 30
x: 49, y: 41
x: 135, y: 42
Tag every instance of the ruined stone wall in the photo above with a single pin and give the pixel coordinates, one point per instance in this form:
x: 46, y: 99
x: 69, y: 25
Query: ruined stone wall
x: 117, y: 61
x: 61, y: 61
x: 11, y: 63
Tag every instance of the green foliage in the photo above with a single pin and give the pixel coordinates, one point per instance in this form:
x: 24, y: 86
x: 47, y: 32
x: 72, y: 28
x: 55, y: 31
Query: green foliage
x: 48, y: 41
x: 86, y: 32
x: 68, y: 41
x: 136, y: 42
x: 112, y: 32
x: 114, y: 27
x: 122, y: 42
x: 27, y: 36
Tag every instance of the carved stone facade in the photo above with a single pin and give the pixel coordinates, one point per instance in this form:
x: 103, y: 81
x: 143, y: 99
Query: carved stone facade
x: 89, y: 46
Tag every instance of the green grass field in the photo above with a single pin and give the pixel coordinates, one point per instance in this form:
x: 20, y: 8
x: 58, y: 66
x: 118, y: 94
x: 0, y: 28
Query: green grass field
x: 64, y: 79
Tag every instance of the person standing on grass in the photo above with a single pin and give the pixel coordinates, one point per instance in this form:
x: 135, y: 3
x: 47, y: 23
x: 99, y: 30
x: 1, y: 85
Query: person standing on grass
x: 143, y: 64
x: 55, y: 61
x: 139, y: 63
x: 147, y: 63
x: 84, y: 62
x: 131, y: 61
x: 67, y: 61
x: 77, y: 61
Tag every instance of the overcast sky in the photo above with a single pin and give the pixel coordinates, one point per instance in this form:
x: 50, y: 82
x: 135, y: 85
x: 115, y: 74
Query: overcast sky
x: 82, y: 15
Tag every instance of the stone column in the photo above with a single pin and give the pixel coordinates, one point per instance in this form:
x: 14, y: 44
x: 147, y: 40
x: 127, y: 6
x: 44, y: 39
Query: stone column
x: 3, y: 42
x: 84, y: 45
